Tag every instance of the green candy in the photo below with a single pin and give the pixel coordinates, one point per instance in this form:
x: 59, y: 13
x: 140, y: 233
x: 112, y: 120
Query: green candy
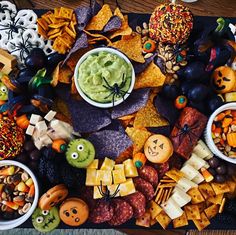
x: 3, y: 92
x: 80, y: 153
x: 45, y: 221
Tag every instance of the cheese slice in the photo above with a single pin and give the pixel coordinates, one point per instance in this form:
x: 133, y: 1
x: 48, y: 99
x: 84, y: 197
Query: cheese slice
x: 119, y: 166
x: 96, y: 192
x: 91, y: 176
x: 189, y: 171
x: 127, y: 188
x: 114, y: 188
x: 180, y: 197
x: 185, y: 184
x: 130, y: 168
x: 108, y: 164
x: 172, y: 209
x: 202, y: 151
x: 118, y: 176
x: 195, y: 161
x: 93, y: 164
x: 198, y: 179
x: 104, y: 176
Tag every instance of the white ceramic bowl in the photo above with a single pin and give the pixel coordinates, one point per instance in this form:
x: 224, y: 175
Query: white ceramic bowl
x: 9, y: 224
x: 76, y: 76
x: 208, y: 137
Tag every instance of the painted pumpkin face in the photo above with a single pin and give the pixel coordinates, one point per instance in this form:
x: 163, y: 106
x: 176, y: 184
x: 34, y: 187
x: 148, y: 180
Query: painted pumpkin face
x: 74, y: 212
x: 224, y: 79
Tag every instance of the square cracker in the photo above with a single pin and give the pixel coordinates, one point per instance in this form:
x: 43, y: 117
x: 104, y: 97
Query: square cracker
x: 175, y: 174
x: 202, y: 223
x: 180, y: 221
x: 144, y: 220
x: 196, y: 195
x: 154, y: 209
x: 201, y: 206
x: 206, y: 190
x: 212, y: 211
x: 220, y: 188
x: 192, y: 212
x: 163, y: 219
x: 217, y: 199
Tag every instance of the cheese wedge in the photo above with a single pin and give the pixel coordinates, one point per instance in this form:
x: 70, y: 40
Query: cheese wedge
x: 185, y: 184
x: 198, y: 179
x: 180, y: 197
x: 195, y: 161
x: 189, y: 171
x: 172, y: 209
x: 202, y: 151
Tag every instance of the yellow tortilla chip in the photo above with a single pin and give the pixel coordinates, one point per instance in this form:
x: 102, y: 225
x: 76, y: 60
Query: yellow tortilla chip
x: 131, y: 46
x: 65, y: 74
x: 101, y: 19
x: 96, y: 36
x: 149, y: 117
x: 150, y: 77
x: 138, y: 137
x: 55, y: 75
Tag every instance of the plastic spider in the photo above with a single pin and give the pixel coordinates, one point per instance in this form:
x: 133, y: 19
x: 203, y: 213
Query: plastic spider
x: 116, y: 90
x: 13, y: 27
x: 106, y: 195
x: 178, y: 51
x: 186, y: 130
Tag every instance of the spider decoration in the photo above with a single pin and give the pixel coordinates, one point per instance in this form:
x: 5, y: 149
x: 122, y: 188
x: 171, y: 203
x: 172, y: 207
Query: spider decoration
x: 116, y: 90
x: 13, y: 27
x: 106, y: 196
x: 179, y: 51
x: 186, y: 130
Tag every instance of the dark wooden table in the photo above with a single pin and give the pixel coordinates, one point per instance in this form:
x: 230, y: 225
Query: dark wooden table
x: 226, y: 8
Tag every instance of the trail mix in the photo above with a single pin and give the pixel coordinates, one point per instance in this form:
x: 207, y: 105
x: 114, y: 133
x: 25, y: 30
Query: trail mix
x: 16, y: 192
x: 224, y: 132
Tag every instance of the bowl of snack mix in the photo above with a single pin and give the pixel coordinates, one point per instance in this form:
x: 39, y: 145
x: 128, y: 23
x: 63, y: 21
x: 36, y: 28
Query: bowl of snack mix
x: 19, y: 192
x: 220, y: 132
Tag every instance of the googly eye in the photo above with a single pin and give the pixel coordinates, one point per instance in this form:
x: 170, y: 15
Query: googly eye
x: 45, y: 212
x: 39, y: 220
x: 3, y: 89
x: 80, y: 147
x: 74, y: 155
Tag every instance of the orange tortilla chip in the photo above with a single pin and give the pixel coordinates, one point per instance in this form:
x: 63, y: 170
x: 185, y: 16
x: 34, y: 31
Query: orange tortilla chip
x: 101, y: 19
x: 131, y: 46
x: 149, y: 117
x: 150, y: 77
x: 138, y: 137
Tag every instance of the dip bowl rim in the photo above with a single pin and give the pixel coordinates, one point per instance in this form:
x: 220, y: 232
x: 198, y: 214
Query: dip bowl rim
x: 208, y: 136
x: 84, y: 96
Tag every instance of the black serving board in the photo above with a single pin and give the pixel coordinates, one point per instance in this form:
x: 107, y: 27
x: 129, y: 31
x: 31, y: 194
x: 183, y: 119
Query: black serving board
x: 228, y: 221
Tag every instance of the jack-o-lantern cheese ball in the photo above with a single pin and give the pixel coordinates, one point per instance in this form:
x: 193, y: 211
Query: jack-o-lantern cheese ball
x: 171, y: 23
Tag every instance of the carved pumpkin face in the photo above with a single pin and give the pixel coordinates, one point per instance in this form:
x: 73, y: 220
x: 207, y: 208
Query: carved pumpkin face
x: 224, y: 79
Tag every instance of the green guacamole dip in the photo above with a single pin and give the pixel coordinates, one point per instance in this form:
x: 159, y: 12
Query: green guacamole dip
x: 100, y: 73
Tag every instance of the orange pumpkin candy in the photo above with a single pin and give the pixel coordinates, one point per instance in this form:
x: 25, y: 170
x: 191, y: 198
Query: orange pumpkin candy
x: 224, y: 79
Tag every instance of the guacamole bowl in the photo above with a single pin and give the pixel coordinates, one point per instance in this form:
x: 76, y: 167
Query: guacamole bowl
x: 104, y: 77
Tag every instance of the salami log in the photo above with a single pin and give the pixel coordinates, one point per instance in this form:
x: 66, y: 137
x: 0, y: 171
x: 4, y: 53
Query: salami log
x: 122, y: 212
x: 144, y: 187
x: 150, y: 174
x: 138, y: 202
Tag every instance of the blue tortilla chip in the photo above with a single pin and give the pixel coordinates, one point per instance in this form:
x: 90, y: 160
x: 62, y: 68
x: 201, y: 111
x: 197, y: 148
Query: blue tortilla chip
x: 87, y: 118
x: 95, y: 7
x: 109, y: 143
x: 115, y: 126
x: 139, y: 67
x: 136, y: 100
x: 167, y: 109
x: 83, y: 15
x: 113, y: 24
x: 62, y: 91
x: 163, y: 130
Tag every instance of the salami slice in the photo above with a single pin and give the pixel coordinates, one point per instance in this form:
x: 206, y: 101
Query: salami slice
x: 149, y: 174
x: 122, y: 212
x: 103, y: 212
x: 163, y: 168
x: 138, y: 202
x: 144, y: 187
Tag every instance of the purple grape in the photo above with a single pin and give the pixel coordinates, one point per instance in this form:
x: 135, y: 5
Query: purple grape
x: 221, y: 170
x: 29, y: 146
x: 214, y: 162
x: 220, y: 178
x: 212, y: 171
x: 35, y: 155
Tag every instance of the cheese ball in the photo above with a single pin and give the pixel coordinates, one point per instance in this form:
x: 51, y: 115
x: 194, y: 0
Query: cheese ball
x: 171, y: 23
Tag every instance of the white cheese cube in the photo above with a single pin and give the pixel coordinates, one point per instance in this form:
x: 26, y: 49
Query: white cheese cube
x: 46, y: 140
x: 41, y: 127
x: 50, y: 115
x: 172, y: 209
x: 38, y: 144
x: 189, y: 171
x: 198, y: 179
x: 195, y: 161
x: 185, y: 184
x: 180, y: 197
x: 60, y: 130
x: 34, y: 119
x: 30, y: 130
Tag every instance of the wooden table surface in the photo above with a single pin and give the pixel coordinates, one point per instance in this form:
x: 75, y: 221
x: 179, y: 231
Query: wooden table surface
x: 226, y: 8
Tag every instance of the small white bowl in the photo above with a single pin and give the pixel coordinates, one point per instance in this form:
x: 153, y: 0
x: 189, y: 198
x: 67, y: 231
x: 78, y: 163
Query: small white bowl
x: 76, y: 76
x: 208, y: 136
x: 9, y: 224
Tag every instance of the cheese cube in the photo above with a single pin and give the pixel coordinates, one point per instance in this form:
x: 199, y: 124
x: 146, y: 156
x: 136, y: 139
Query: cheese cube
x: 108, y: 164
x: 172, y: 209
x: 202, y: 151
x: 118, y: 176
x: 50, y: 115
x: 91, y: 175
x: 104, y: 176
x: 94, y: 164
x: 60, y: 130
x: 96, y: 191
x: 119, y: 166
x: 34, y: 119
x: 189, y: 171
x: 127, y: 188
x: 185, y: 184
x: 30, y: 130
x: 38, y: 144
x: 195, y: 161
x: 206, y: 166
x: 41, y: 127
x: 46, y: 140
x: 114, y: 188
x: 180, y: 197
x: 198, y: 179
x: 130, y: 168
